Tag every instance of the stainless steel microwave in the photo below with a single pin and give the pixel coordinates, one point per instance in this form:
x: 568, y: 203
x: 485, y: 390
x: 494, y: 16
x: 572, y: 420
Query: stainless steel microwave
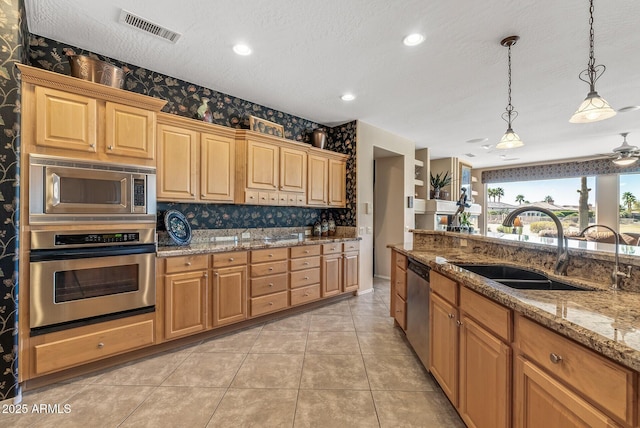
x: 69, y: 190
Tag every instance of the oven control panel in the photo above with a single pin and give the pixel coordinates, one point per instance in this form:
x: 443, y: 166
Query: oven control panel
x: 97, y: 238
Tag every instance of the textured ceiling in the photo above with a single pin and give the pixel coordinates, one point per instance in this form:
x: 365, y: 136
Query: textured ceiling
x: 450, y: 89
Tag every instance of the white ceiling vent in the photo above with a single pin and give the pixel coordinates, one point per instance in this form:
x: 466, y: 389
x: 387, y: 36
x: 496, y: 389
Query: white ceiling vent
x: 147, y: 26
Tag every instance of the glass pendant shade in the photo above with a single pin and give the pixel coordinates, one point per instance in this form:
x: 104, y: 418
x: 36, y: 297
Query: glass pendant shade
x: 510, y: 140
x: 592, y: 109
x: 625, y: 161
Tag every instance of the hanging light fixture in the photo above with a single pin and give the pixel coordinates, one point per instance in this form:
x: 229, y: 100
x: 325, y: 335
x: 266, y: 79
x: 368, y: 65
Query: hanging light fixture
x: 510, y: 139
x: 594, y: 107
x: 626, y: 153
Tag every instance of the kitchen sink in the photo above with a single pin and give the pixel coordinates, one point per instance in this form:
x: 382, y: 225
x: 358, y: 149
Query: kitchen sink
x: 521, y: 279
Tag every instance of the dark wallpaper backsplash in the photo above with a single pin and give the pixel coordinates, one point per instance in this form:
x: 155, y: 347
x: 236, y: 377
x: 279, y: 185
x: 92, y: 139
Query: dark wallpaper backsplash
x: 184, y: 98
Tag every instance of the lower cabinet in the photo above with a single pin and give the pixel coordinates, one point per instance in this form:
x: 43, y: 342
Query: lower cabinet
x: 399, y: 288
x: 185, y: 303
x: 229, y: 295
x: 443, y: 345
x: 340, y: 268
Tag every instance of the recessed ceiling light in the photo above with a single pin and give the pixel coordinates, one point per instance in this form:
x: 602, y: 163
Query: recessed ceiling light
x: 413, y: 39
x: 242, y: 49
x: 628, y: 109
x: 477, y: 140
x: 348, y: 97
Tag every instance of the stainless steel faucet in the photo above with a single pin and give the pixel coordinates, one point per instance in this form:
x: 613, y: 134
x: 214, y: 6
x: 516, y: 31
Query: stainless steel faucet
x: 617, y: 273
x: 562, y: 261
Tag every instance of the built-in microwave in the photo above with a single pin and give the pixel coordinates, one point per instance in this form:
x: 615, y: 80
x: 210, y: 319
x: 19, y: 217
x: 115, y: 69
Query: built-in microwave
x: 70, y: 190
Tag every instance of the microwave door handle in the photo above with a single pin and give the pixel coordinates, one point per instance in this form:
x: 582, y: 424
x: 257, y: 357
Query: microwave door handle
x: 55, y: 195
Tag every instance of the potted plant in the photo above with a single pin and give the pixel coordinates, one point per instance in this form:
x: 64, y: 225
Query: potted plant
x: 465, y: 223
x: 438, y: 182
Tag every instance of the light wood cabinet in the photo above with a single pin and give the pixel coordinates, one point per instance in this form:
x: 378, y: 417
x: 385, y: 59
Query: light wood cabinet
x: 351, y: 264
x: 229, y: 295
x: 269, y: 281
x: 304, y: 274
x: 331, y: 275
x: 177, y: 166
x: 65, y: 116
x: 340, y: 270
x: 443, y: 345
x: 293, y: 171
x: 196, y: 161
x: 399, y: 288
x: 318, y: 180
x: 262, y: 163
x: 337, y: 183
x: 185, y: 309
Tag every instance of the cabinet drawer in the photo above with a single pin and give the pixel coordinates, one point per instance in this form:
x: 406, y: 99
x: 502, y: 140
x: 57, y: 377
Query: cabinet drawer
x: 186, y: 263
x: 304, y: 263
x: 401, y: 261
x: 89, y: 347
x: 605, y: 383
x: 491, y: 315
x: 305, y: 294
x: 263, y: 198
x: 235, y: 258
x: 334, y: 248
x: 269, y: 255
x: 305, y: 251
x: 268, y: 285
x: 401, y: 283
x: 401, y: 313
x: 263, y: 269
x: 251, y: 197
x: 445, y: 287
x: 268, y: 303
x: 304, y: 277
x: 351, y: 246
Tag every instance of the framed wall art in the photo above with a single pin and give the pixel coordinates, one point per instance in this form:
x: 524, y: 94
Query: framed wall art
x: 265, y: 127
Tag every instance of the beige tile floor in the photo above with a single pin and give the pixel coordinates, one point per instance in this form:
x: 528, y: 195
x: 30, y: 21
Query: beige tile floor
x: 342, y: 365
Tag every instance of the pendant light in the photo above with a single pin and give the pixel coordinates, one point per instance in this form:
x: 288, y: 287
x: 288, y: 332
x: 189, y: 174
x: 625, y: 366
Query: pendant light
x: 510, y: 139
x: 594, y: 107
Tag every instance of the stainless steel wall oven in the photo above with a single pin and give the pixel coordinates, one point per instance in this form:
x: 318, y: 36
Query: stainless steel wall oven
x: 83, y: 275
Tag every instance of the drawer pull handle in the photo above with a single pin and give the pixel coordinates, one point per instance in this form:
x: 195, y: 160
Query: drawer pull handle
x: 555, y: 358
x: 451, y: 315
x: 270, y: 255
x: 270, y: 303
x: 230, y: 259
x: 270, y: 268
x: 188, y: 263
x: 270, y: 284
x: 306, y: 251
x: 305, y: 264
x: 306, y: 294
x: 306, y: 277
x: 100, y: 345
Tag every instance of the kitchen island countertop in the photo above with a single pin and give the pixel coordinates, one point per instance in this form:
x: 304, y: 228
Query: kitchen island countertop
x: 603, y: 320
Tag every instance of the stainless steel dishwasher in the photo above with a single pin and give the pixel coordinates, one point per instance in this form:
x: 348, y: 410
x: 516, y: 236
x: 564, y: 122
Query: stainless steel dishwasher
x: 418, y: 309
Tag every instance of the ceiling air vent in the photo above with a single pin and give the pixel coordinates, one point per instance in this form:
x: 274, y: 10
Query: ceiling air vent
x: 470, y: 155
x: 147, y: 26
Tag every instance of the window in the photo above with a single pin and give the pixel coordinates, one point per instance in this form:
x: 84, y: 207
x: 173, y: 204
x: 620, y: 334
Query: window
x: 629, y: 203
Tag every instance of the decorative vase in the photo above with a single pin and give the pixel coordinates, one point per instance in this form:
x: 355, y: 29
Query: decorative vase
x: 325, y: 227
x: 317, y: 229
x: 204, y: 112
x: 319, y: 138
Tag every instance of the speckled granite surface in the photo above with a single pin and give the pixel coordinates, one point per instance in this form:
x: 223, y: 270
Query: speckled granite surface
x: 218, y: 241
x: 606, y: 321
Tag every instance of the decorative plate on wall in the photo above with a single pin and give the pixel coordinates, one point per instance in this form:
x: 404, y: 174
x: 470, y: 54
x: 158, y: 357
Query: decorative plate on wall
x: 177, y: 227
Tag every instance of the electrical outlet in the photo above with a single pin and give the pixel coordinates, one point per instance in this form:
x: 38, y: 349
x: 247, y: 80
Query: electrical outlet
x: 369, y: 230
x: 463, y: 242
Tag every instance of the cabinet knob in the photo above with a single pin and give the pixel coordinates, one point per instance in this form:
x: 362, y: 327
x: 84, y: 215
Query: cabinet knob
x: 451, y: 315
x: 306, y: 251
x: 100, y: 345
x: 216, y: 274
x: 555, y: 358
x: 188, y: 264
x: 270, y: 268
x: 93, y: 146
x: 230, y: 259
x: 270, y: 284
x: 252, y: 197
x: 270, y: 255
x: 458, y: 323
x: 202, y: 195
x: 306, y: 294
x: 270, y: 303
x: 305, y: 263
x: 306, y: 277
x: 110, y: 147
x: 205, y: 275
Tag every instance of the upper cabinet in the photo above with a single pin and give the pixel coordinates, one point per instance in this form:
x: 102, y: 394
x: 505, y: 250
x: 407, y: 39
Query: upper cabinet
x: 196, y: 161
x: 327, y: 179
x: 66, y: 116
x: 337, y: 183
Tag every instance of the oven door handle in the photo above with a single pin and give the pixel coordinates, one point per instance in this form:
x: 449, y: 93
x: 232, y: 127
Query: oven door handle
x: 83, y: 253
x: 55, y: 195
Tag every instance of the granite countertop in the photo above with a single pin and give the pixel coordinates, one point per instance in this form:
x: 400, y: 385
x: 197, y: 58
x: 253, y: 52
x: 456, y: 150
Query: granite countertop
x: 220, y: 246
x: 603, y: 320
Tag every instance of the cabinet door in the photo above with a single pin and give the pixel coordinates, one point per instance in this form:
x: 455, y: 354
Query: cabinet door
x: 185, y: 299
x: 262, y: 166
x: 65, y: 121
x: 177, y: 151
x: 331, y: 275
x: 129, y: 131
x: 229, y: 295
x: 484, y: 377
x: 350, y: 266
x: 217, y: 174
x: 443, y: 345
x: 293, y: 170
x: 318, y: 181
x: 542, y: 401
x: 337, y: 183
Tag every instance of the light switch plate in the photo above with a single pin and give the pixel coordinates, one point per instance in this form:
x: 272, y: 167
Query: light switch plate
x: 361, y: 230
x: 369, y: 230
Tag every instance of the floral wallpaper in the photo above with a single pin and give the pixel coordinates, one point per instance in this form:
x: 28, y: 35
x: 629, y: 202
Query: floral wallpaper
x: 184, y: 98
x: 12, y: 30
x: 556, y: 170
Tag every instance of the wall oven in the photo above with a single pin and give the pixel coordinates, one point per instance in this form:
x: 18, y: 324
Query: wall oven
x: 69, y: 190
x: 79, y: 276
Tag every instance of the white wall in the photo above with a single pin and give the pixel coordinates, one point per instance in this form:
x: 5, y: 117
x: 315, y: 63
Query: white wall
x: 389, y: 205
x: 369, y: 137
x: 607, y: 202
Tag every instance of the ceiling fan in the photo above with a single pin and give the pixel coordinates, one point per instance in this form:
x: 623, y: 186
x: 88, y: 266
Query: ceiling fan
x: 623, y: 155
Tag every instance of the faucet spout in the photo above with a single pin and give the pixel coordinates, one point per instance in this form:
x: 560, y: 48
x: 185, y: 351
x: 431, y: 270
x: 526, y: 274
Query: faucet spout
x: 562, y: 261
x: 616, y: 274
